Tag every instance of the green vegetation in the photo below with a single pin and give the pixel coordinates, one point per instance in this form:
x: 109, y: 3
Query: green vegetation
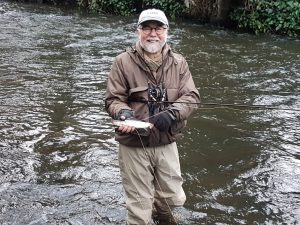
x: 118, y: 7
x: 265, y: 16
x: 173, y: 8
x: 259, y: 16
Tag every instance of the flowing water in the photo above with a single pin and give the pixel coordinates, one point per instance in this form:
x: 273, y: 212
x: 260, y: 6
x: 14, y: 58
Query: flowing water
x: 58, y: 157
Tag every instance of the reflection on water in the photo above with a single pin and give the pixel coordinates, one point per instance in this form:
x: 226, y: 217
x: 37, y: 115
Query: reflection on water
x: 58, y: 158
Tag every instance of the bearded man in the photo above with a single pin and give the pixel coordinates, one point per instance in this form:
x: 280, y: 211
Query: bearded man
x: 149, y: 82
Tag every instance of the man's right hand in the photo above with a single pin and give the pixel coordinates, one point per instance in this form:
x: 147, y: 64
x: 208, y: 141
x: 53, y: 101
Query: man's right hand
x: 125, y: 114
x: 126, y: 129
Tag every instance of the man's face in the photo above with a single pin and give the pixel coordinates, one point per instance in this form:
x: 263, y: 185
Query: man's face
x: 152, y: 36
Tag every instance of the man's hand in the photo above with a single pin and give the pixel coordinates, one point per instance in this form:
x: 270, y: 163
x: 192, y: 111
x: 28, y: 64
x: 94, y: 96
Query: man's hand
x: 163, y: 120
x: 126, y: 129
x: 125, y: 114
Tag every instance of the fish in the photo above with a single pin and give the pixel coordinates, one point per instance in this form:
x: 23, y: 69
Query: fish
x: 138, y: 124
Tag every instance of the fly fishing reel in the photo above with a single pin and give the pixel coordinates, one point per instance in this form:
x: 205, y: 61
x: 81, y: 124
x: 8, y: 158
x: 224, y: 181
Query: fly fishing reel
x: 157, y: 96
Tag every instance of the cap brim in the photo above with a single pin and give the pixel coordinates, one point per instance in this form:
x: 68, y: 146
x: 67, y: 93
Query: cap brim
x: 152, y: 19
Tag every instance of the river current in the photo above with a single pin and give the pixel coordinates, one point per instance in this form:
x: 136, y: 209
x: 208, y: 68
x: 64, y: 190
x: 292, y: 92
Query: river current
x: 58, y: 156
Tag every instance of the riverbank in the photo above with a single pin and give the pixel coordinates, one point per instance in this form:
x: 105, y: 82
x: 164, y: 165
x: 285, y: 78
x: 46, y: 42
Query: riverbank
x: 257, y: 16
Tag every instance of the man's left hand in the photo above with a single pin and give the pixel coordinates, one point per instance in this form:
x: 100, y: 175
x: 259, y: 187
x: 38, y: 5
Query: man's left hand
x: 162, y: 120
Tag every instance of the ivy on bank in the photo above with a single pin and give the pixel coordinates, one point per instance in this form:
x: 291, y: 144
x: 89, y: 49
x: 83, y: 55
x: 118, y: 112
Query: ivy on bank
x: 118, y: 7
x: 173, y: 8
x: 265, y: 16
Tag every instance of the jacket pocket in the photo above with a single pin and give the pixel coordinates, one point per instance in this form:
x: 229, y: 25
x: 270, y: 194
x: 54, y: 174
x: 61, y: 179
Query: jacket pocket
x: 138, y: 101
x: 141, y: 91
x: 177, y: 127
x: 172, y: 94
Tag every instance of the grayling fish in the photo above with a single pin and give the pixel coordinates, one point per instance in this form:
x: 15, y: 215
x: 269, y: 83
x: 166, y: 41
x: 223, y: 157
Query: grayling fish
x: 138, y: 124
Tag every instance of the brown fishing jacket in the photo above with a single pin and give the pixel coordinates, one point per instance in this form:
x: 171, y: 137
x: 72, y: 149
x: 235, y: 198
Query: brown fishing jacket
x: 127, y: 88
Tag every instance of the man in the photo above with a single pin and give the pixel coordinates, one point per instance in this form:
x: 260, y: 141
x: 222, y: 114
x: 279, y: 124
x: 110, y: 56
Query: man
x: 149, y: 82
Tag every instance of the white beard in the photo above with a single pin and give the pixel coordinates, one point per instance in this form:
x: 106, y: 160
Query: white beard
x: 152, y: 47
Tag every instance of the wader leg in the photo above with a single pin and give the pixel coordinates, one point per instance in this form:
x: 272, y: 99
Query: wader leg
x: 137, y: 181
x: 143, y: 189
x: 169, y: 192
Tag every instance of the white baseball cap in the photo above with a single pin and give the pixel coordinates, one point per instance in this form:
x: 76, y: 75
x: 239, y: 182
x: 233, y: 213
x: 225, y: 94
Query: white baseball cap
x: 153, y: 14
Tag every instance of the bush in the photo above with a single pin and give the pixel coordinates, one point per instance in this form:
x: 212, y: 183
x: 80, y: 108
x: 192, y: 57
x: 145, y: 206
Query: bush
x: 118, y: 7
x: 263, y: 16
x: 173, y: 8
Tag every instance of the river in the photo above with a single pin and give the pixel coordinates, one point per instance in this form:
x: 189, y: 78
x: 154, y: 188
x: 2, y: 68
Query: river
x: 58, y: 156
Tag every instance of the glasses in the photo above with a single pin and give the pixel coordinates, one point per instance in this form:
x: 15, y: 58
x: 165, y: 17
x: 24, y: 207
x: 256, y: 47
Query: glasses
x: 158, y: 30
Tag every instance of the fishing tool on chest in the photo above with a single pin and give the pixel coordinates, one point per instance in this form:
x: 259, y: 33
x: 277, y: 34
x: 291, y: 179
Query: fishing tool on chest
x: 157, y: 98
